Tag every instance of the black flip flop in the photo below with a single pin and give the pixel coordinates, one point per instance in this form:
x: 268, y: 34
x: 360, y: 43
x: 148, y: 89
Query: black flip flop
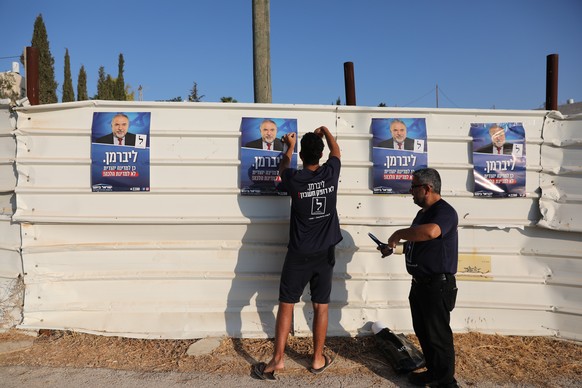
x: 259, y: 371
x: 328, y: 362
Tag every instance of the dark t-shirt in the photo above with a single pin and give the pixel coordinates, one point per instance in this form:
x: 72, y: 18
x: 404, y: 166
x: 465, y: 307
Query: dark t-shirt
x: 440, y: 255
x: 314, y: 223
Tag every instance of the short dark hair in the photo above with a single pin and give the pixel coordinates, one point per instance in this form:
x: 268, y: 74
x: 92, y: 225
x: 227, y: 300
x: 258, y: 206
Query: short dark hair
x: 429, y: 176
x: 311, y: 148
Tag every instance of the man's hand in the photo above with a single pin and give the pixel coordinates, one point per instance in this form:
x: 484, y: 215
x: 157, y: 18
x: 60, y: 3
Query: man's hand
x: 320, y: 131
x: 385, y: 250
x: 290, y: 139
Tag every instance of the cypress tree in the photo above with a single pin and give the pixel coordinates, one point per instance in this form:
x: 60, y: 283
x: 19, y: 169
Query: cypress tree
x: 109, y: 88
x: 46, y: 67
x: 193, y: 96
x: 120, y: 83
x: 101, y: 84
x: 82, y: 85
x: 68, y: 93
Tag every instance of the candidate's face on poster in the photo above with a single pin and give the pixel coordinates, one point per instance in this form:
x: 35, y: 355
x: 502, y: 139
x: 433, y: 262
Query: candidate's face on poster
x: 398, y: 131
x: 119, y: 126
x: 497, y: 136
x: 268, y: 131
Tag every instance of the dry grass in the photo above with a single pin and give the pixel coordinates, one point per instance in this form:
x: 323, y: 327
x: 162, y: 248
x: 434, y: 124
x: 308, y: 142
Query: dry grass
x: 537, y: 361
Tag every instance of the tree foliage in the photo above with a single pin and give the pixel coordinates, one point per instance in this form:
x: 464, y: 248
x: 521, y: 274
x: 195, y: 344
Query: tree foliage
x: 129, y: 93
x: 68, y: 93
x: 104, y: 90
x: 193, y: 96
x: 82, y: 85
x: 119, y: 92
x: 46, y: 66
x: 227, y: 99
x: 175, y: 99
x: 109, y: 88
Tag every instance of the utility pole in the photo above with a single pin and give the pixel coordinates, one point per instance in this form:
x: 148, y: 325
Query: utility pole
x: 350, y: 83
x: 262, y: 51
x: 552, y: 82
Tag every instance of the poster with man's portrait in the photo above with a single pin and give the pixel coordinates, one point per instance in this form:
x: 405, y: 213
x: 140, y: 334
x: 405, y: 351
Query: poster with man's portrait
x: 499, y: 159
x: 120, y: 151
x: 261, y: 153
x: 399, y: 149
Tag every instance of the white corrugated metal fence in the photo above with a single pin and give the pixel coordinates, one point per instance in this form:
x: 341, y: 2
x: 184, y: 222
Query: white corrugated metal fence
x: 194, y: 258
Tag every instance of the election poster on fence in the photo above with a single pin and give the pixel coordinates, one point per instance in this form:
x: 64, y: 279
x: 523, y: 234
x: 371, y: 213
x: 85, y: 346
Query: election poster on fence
x: 261, y: 153
x: 399, y: 149
x: 120, y: 151
x: 499, y: 159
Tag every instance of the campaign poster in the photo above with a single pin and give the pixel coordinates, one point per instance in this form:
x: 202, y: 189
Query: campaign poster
x: 120, y: 151
x: 261, y: 153
x: 499, y: 159
x: 399, y: 149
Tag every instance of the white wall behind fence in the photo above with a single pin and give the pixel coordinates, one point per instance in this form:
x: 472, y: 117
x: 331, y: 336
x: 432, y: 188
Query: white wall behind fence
x: 194, y: 258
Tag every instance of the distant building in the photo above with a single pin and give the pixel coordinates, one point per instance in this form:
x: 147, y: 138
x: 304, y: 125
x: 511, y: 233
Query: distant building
x: 570, y: 108
x: 12, y: 84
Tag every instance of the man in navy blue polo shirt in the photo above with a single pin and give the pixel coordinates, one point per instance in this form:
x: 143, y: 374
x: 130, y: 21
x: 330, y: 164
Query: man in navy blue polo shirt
x: 314, y: 231
x: 431, y: 250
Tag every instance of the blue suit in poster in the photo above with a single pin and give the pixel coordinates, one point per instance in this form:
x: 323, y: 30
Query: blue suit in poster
x: 120, y: 153
x: 399, y: 149
x: 261, y: 154
x: 499, y: 161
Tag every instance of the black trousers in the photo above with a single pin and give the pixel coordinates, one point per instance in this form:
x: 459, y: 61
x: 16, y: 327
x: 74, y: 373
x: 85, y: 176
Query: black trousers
x: 431, y: 301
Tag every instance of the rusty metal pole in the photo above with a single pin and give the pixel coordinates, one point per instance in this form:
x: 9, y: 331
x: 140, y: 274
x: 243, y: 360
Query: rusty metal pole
x: 350, y: 83
x: 32, y: 76
x: 552, y: 82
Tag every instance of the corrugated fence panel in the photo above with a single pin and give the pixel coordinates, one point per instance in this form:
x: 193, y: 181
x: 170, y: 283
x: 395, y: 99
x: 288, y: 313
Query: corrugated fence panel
x: 193, y: 257
x: 560, y: 181
x: 11, y: 283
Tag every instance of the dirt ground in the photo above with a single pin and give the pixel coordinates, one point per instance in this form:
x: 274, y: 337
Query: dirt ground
x: 482, y: 360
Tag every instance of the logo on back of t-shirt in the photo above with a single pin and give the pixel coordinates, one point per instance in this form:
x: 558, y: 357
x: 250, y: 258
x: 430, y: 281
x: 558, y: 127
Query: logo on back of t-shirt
x: 318, y: 205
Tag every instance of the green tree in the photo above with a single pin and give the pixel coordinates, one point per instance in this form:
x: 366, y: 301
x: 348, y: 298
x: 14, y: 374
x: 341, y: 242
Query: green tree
x: 382, y: 105
x: 82, y: 85
x: 227, y: 99
x: 68, y: 93
x: 175, y: 99
x: 129, y: 93
x: 103, y: 87
x: 193, y: 96
x: 119, y: 93
x: 46, y: 66
x: 338, y: 101
x: 110, y: 88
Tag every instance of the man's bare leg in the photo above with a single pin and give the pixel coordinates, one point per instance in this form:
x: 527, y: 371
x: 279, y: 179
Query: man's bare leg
x: 282, y: 329
x: 320, y: 319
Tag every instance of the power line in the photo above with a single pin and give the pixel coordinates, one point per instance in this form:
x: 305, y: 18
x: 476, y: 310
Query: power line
x: 447, y: 97
x: 16, y: 56
x: 420, y: 98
